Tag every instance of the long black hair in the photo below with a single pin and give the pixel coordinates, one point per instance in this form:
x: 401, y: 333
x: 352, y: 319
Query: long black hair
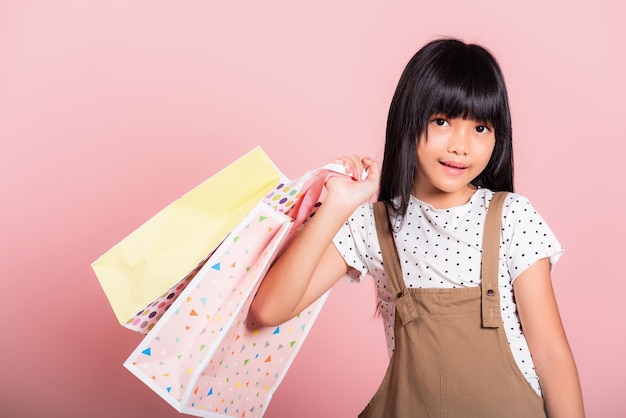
x: 449, y: 77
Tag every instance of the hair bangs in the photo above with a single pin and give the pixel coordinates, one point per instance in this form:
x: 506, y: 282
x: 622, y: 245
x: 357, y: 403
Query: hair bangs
x: 467, y: 102
x: 465, y: 87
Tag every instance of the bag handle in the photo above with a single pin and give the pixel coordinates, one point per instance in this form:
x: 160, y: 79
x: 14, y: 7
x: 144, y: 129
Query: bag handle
x: 312, y: 191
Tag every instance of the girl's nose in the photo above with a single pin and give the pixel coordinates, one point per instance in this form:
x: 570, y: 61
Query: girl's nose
x: 459, y: 142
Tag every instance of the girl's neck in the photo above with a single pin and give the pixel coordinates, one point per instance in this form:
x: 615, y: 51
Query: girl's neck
x: 444, y: 200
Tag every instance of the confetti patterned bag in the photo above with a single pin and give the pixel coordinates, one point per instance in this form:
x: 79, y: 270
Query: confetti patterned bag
x: 144, y: 273
x: 206, y: 357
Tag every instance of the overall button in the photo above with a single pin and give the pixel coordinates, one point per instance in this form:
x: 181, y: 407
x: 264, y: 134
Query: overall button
x: 490, y: 292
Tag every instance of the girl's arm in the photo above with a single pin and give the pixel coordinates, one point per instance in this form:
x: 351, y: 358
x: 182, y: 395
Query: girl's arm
x: 548, y: 344
x: 311, y: 264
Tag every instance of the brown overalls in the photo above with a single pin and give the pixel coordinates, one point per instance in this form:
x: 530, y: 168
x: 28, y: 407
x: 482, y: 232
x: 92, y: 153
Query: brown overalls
x: 451, y: 358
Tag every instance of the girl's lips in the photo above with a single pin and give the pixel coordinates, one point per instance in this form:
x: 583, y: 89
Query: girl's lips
x: 453, y: 164
x: 453, y: 168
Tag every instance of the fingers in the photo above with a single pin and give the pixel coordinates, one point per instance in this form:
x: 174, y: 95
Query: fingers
x: 355, y: 165
x: 371, y: 166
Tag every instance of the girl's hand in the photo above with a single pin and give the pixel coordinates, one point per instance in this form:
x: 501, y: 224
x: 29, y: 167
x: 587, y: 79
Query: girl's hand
x: 349, y: 193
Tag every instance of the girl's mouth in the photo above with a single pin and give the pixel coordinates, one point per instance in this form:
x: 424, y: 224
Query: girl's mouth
x: 453, y: 168
x: 453, y: 164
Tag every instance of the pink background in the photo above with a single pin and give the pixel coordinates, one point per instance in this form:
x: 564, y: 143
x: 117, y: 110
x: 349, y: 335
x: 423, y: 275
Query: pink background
x: 110, y: 110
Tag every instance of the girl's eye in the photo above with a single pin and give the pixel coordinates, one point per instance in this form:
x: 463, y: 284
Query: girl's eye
x: 482, y: 129
x: 439, y: 122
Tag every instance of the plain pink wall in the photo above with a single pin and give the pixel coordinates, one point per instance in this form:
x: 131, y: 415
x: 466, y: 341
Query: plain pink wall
x: 110, y: 110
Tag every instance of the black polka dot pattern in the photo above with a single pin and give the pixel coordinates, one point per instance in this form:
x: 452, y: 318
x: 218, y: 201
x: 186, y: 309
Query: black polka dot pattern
x: 441, y: 248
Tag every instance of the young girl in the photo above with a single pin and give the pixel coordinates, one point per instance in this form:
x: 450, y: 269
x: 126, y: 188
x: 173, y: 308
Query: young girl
x: 472, y: 326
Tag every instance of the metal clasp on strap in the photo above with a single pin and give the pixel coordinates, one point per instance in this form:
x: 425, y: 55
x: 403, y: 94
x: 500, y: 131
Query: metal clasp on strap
x: 405, y: 307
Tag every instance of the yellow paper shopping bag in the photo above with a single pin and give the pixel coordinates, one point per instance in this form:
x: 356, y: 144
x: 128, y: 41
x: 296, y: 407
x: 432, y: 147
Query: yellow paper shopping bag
x: 162, y: 252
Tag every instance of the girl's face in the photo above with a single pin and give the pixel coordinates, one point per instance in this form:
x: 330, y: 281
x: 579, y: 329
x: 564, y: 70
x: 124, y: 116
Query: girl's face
x: 454, y: 153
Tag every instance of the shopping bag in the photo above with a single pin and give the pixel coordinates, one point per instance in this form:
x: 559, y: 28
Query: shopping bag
x: 144, y: 273
x: 206, y: 356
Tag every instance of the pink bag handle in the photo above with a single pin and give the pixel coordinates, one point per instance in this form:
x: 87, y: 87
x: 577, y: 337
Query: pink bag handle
x: 313, y: 188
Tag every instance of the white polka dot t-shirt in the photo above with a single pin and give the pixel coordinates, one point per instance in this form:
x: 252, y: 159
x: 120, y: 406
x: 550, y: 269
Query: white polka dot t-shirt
x: 441, y: 248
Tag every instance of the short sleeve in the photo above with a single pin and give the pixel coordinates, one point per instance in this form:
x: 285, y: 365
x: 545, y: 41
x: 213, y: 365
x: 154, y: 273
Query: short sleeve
x: 354, y: 240
x: 527, y: 236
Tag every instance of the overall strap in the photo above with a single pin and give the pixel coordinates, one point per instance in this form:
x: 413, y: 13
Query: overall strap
x: 404, y: 303
x: 490, y: 295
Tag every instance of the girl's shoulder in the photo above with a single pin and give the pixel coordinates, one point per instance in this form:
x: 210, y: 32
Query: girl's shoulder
x: 519, y: 214
x: 517, y: 210
x: 513, y: 203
